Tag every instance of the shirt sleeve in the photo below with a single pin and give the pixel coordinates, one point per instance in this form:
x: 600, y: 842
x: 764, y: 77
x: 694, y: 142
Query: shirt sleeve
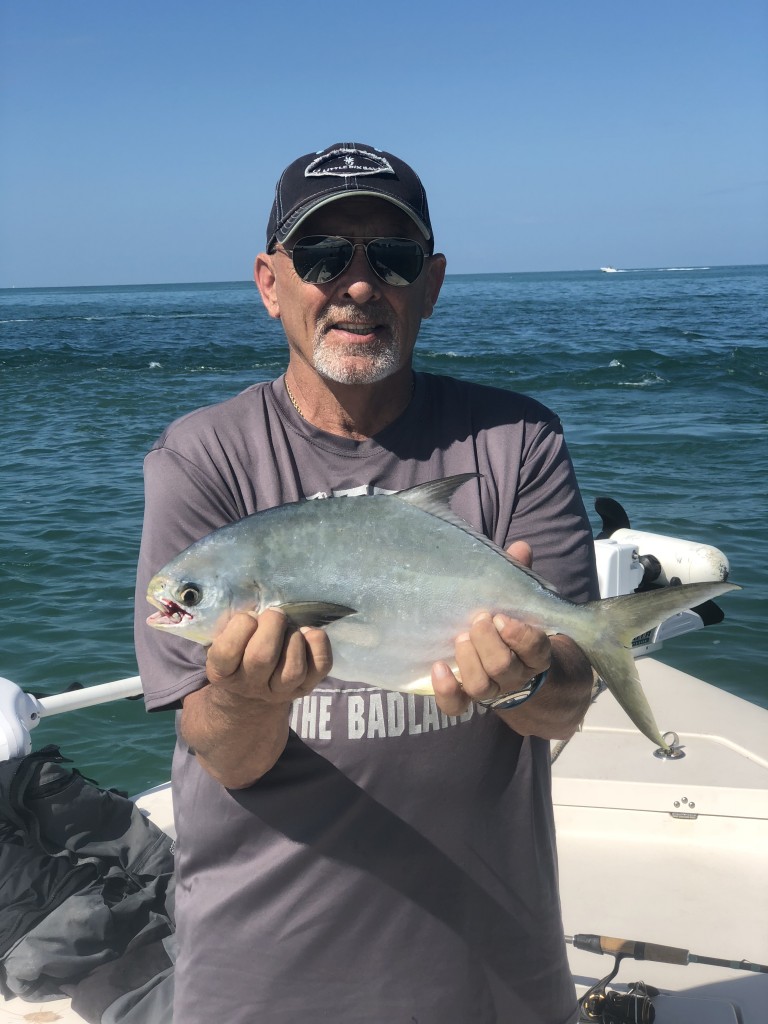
x: 548, y: 512
x: 181, y: 505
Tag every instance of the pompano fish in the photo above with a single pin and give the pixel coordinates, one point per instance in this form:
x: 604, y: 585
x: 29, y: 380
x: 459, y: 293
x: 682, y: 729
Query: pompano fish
x: 395, y: 578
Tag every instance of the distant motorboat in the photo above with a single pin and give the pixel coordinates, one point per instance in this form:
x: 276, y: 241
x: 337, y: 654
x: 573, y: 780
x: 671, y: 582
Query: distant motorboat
x: 646, y: 270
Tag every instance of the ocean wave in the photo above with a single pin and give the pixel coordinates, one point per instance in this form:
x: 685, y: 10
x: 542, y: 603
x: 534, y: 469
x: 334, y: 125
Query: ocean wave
x: 448, y: 354
x: 649, y: 380
x: 126, y: 315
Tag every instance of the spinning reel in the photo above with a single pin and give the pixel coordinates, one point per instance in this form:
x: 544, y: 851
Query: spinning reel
x: 606, y: 1006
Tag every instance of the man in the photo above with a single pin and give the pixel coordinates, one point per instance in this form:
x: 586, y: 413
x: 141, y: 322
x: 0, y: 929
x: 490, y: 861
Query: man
x: 346, y: 854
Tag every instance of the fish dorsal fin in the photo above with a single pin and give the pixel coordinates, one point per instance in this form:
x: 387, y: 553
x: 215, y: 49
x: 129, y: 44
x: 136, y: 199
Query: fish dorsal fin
x: 433, y: 498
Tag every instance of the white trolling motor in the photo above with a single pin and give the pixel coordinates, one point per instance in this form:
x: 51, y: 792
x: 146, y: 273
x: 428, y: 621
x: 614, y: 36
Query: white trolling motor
x: 632, y: 560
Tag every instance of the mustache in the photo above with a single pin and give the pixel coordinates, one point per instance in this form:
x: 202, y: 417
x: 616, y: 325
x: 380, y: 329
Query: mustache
x: 370, y: 314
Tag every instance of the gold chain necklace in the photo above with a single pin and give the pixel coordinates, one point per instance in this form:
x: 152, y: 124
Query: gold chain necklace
x: 296, y: 406
x: 294, y: 403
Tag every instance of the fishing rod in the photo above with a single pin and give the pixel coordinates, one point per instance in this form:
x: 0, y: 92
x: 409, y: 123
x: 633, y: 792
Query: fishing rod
x: 601, y: 1005
x: 657, y: 953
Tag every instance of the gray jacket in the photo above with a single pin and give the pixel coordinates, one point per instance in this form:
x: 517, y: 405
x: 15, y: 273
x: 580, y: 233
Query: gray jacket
x: 86, y: 891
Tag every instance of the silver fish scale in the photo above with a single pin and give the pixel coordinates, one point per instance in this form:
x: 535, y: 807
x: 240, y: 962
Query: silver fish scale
x: 414, y: 580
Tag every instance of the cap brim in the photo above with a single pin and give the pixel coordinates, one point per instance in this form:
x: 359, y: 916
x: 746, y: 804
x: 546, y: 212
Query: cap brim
x: 306, y: 211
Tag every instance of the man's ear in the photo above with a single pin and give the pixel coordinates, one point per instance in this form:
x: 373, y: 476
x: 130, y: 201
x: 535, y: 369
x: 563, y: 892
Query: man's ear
x: 264, y: 276
x: 435, y: 277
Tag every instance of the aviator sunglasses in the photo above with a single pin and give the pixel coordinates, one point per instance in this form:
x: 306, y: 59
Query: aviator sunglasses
x: 318, y: 259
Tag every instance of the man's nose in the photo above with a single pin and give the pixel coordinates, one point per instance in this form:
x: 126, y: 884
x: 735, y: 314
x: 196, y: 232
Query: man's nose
x: 359, y: 282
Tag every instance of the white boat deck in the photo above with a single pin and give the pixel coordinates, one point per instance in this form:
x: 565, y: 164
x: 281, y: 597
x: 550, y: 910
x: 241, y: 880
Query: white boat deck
x: 670, y: 852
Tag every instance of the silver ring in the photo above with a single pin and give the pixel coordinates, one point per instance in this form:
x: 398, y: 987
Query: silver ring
x: 514, y: 698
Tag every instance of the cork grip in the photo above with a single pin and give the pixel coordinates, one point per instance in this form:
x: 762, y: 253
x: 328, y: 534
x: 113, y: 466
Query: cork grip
x: 643, y: 950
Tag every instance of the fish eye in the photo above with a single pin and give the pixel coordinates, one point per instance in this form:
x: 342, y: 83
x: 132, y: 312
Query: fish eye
x: 190, y: 594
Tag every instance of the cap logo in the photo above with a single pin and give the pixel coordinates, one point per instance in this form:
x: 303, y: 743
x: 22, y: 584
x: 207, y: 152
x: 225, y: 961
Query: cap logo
x: 347, y: 163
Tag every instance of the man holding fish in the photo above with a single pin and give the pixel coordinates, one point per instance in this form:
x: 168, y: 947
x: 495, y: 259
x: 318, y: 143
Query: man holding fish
x: 354, y: 847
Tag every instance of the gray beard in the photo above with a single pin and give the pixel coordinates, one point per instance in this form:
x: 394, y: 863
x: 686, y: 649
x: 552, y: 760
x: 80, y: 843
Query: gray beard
x: 376, y: 362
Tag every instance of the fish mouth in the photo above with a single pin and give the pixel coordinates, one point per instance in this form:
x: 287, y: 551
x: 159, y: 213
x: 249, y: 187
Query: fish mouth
x: 170, y: 614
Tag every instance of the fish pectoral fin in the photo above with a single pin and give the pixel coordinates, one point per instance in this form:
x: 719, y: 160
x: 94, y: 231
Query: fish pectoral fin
x: 315, y: 613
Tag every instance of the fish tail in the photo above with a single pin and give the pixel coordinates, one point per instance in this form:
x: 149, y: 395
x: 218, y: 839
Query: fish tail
x: 620, y: 620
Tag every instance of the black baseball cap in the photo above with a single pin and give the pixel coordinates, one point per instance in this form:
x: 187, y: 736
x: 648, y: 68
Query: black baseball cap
x: 340, y: 170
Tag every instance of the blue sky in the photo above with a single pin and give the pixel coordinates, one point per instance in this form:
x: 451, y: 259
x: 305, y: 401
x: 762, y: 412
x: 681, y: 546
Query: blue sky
x: 140, y: 142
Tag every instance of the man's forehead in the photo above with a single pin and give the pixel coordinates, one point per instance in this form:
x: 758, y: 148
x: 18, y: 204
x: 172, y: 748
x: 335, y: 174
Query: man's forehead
x: 361, y: 216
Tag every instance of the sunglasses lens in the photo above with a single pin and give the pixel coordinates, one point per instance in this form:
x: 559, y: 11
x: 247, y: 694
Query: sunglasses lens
x: 397, y: 261
x: 318, y: 259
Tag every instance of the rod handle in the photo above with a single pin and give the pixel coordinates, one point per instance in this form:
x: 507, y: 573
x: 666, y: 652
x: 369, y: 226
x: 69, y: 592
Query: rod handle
x: 630, y: 947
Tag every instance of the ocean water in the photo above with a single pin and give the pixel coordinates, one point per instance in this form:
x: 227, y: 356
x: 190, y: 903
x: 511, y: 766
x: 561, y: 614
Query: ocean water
x: 659, y: 377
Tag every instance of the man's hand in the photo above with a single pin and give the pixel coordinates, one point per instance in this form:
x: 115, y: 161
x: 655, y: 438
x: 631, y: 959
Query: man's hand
x: 500, y: 654
x: 237, y: 725
x: 265, y: 658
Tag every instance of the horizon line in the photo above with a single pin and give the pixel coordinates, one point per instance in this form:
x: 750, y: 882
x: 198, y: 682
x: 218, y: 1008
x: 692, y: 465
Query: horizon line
x: 485, y: 273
